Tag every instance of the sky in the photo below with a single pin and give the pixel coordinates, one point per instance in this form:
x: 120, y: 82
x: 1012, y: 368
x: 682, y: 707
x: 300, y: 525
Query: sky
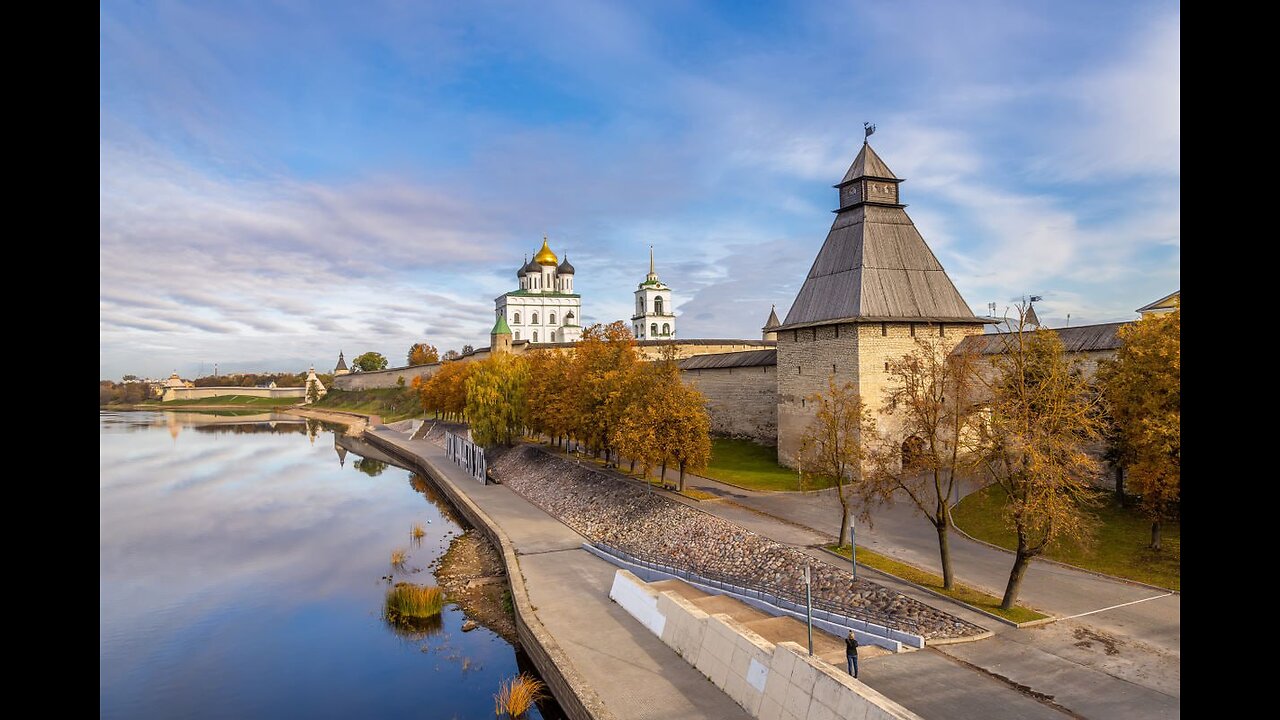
x: 283, y: 180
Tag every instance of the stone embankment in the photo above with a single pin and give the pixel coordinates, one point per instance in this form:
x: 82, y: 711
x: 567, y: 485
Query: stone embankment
x: 608, y: 509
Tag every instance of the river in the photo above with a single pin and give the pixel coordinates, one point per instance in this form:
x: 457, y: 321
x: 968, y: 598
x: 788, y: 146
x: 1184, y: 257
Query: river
x: 241, y: 566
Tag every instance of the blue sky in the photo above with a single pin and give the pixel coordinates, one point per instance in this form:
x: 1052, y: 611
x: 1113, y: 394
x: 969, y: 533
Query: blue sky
x: 279, y: 181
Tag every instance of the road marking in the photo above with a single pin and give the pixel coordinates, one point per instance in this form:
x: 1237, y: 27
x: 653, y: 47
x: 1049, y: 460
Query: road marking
x: 1113, y: 607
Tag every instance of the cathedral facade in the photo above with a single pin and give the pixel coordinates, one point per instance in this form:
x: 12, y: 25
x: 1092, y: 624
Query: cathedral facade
x: 545, y: 309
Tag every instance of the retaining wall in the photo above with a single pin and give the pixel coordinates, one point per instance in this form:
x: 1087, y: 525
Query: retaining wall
x: 769, y: 681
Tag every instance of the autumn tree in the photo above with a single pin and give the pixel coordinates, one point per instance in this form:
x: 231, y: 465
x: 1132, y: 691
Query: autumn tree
x: 684, y: 429
x: 1143, y: 389
x: 602, y: 361
x: 930, y: 399
x: 423, y: 354
x: 1039, y: 421
x: 451, y: 355
x: 496, y: 400
x: 369, y: 362
x: 467, y: 349
x: 549, y: 400
x: 833, y: 446
x: 445, y: 392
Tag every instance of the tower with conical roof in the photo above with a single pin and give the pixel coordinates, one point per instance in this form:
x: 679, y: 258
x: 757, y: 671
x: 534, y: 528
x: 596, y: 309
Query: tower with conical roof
x: 545, y: 308
x: 341, y: 367
x: 874, y: 287
x: 500, y: 336
x: 770, y: 329
x: 655, y: 317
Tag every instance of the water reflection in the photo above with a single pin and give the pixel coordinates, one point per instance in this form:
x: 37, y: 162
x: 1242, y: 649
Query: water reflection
x: 239, y: 576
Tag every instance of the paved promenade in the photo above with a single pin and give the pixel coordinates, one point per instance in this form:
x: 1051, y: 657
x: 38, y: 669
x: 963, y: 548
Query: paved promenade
x: 633, y: 672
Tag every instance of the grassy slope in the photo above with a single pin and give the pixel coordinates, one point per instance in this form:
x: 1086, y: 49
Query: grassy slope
x: 961, y: 592
x: 391, y: 404
x: 1120, y: 548
x: 751, y: 465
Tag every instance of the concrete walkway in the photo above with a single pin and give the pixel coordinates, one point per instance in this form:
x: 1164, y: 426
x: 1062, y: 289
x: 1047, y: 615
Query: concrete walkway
x: 633, y: 672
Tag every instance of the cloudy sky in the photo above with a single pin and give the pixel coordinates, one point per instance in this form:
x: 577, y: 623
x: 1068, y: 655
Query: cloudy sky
x: 281, y: 180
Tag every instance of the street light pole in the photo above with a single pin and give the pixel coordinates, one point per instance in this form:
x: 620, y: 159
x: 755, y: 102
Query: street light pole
x: 853, y: 545
x: 808, y: 606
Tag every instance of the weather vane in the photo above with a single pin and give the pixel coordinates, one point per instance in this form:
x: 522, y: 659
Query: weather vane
x: 868, y: 130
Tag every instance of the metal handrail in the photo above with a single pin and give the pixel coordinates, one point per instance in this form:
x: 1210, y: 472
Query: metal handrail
x: 761, y: 590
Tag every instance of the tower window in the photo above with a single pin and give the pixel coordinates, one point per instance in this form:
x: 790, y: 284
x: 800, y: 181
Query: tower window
x: 666, y: 328
x: 795, y: 336
x: 653, y: 328
x: 913, y: 329
x: 837, y: 332
x: 942, y: 330
x: 657, y: 306
x: 815, y: 333
x: 884, y: 328
x: 886, y: 367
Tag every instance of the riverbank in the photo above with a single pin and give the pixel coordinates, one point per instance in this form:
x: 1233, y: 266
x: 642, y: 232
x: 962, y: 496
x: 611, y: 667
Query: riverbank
x: 472, y: 575
x: 597, y: 661
x: 355, y: 424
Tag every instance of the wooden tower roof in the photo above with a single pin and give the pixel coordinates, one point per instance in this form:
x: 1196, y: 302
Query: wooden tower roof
x: 874, y: 265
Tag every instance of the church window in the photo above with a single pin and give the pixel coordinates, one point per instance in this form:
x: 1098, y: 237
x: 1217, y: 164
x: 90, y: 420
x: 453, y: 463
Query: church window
x: 666, y: 328
x: 551, y: 318
x: 516, y: 319
x: 653, y: 328
x: 535, y: 334
x: 517, y: 335
x: 535, y: 318
x: 657, y: 306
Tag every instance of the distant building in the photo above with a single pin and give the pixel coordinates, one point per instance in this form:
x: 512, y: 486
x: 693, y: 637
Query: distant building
x: 341, y: 367
x: 545, y: 309
x: 1166, y: 304
x: 655, y: 318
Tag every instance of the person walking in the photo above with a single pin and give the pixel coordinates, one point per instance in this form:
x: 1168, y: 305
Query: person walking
x: 851, y: 653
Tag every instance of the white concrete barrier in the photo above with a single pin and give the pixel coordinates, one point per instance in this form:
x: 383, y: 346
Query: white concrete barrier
x: 769, y: 681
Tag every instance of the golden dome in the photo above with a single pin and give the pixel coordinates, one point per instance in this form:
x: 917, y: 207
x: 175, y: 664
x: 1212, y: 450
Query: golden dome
x: 545, y: 256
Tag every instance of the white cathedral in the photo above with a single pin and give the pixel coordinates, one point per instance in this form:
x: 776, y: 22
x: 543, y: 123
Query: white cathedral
x: 655, y: 318
x: 545, y: 309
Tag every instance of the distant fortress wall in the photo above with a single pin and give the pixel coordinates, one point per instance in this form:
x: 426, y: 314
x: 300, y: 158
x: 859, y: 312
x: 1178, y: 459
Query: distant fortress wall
x: 200, y: 393
x: 648, y: 349
x: 383, y: 378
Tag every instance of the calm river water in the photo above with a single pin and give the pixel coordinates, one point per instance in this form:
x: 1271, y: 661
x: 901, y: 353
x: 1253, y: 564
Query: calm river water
x: 240, y: 576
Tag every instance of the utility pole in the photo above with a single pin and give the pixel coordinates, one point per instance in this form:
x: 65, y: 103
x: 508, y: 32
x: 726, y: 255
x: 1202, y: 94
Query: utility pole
x: 808, y: 605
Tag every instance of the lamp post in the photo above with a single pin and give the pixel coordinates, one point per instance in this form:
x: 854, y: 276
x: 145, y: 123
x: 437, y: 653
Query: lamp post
x: 853, y: 545
x: 808, y: 606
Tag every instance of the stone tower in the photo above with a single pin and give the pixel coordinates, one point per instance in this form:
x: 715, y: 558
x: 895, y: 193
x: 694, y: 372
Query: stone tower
x: 873, y: 287
x: 770, y: 329
x: 500, y: 336
x: 655, y: 318
x: 341, y: 367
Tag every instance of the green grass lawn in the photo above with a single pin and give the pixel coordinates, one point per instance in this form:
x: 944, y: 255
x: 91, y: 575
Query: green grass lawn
x: 961, y: 592
x: 234, y: 400
x: 391, y: 404
x: 754, y: 466
x: 1120, y: 547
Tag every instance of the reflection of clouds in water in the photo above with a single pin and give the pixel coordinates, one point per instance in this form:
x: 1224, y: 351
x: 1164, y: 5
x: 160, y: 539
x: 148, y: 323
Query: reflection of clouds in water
x: 181, y: 529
